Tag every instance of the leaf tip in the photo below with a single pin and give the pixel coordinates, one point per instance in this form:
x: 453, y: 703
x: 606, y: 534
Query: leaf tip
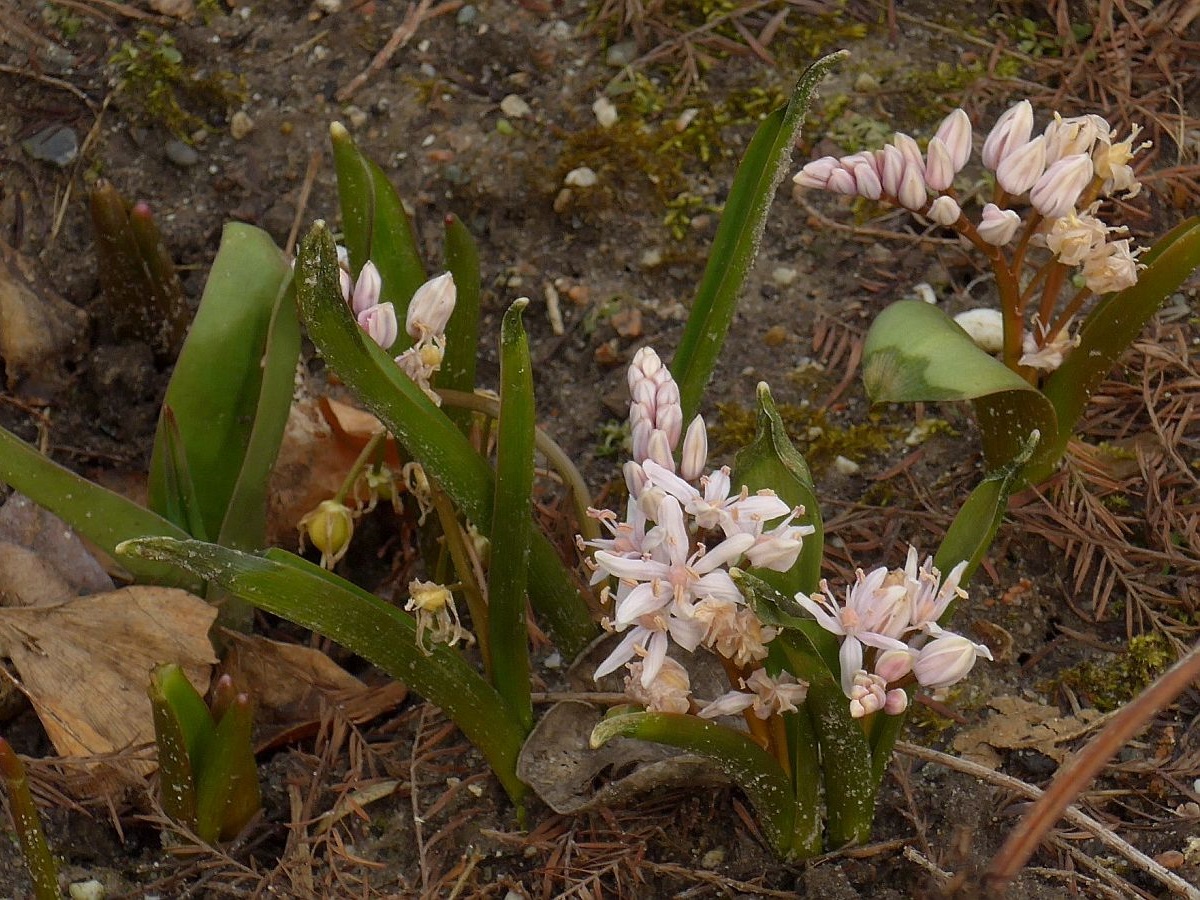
x: 338, y: 132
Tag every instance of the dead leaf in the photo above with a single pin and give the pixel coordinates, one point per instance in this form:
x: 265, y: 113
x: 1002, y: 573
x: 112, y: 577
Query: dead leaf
x: 1019, y: 724
x: 25, y: 580
x: 293, y: 685
x: 559, y: 764
x: 85, y: 663
x: 39, y: 330
x: 24, y: 523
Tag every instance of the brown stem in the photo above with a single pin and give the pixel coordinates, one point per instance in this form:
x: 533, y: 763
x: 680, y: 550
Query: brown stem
x: 1081, y: 297
x: 1078, y: 773
x: 779, y: 743
x: 758, y: 728
x: 1054, y: 283
x: 467, y: 576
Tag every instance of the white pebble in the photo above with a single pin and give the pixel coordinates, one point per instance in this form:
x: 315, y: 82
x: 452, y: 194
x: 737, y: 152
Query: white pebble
x: 846, y: 466
x: 240, y: 125
x: 783, y: 275
x: 985, y: 326
x: 583, y: 177
x: 514, y: 107
x: 924, y: 292
x: 87, y: 890
x: 606, y: 112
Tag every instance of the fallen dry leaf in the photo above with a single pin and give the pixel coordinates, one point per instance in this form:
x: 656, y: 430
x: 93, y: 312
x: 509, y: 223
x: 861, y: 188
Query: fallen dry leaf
x: 26, y: 524
x: 85, y: 663
x: 1019, y: 724
x: 26, y: 580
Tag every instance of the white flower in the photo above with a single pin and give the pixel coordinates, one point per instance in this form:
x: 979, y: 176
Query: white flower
x: 1048, y: 356
x: 437, y: 617
x: 669, y: 691
x: 1113, y: 268
x: 1074, y: 238
x: 768, y: 696
x: 946, y: 660
x: 928, y: 595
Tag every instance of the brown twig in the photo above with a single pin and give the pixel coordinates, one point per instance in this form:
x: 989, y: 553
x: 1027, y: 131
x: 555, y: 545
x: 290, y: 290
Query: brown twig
x: 1071, y: 780
x: 404, y: 33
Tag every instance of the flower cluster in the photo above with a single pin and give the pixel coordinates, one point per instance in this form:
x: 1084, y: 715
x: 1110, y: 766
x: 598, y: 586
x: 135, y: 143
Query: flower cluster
x: 377, y: 319
x: 1062, y: 173
x: 671, y: 555
x: 889, y: 631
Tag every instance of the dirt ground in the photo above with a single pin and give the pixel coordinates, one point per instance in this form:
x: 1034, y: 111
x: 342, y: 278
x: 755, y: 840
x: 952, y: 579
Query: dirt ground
x: 483, y: 110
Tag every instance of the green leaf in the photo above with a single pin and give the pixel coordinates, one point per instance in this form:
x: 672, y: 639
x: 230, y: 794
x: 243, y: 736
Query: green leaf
x: 217, y: 778
x: 1108, y: 331
x: 780, y: 610
x: 217, y: 387
x: 513, y: 505
x: 738, y: 236
x: 183, y: 732
x: 462, y: 331
x: 105, y: 518
x: 180, y: 505
x: 377, y: 227
x: 914, y: 351
x: 754, y: 770
x: 773, y: 462
x: 288, y: 586
x: 428, y: 435
x: 27, y: 822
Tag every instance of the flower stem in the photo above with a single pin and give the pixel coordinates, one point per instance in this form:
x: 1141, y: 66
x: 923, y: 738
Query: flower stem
x: 364, y: 456
x: 468, y: 576
x: 1054, y: 283
x: 1081, y: 297
x: 43, y: 868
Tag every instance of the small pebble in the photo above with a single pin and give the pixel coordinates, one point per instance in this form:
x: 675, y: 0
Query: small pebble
x: 56, y: 144
x: 712, y: 858
x: 621, y: 54
x: 329, y: 7
x: 784, y: 275
x: 605, y: 112
x: 562, y: 201
x: 985, y: 327
x: 579, y: 294
x: 866, y: 83
x: 582, y: 177
x: 923, y: 291
x: 514, y: 106
x: 466, y: 15
x: 240, y: 125
x: 356, y: 116
x: 553, y: 661
x: 1170, y: 859
x: 846, y: 466
x: 651, y: 258
x: 181, y: 154
x: 87, y: 890
x: 628, y: 323
x: 775, y: 336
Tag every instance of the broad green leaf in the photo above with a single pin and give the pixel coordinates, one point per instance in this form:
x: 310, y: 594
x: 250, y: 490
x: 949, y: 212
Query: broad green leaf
x: 914, y: 351
x: 462, y: 331
x: 180, y: 505
x: 753, y: 769
x: 773, y: 462
x: 781, y: 610
x: 1110, y: 328
x: 377, y: 227
x: 288, y: 586
x: 216, y: 389
x: 738, y: 236
x: 105, y: 518
x: 513, y: 505
x: 428, y: 435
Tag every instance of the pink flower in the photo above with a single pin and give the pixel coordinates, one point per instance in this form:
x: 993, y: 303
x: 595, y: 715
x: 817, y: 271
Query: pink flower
x: 1055, y: 193
x: 998, y: 226
x: 1020, y: 169
x: 1012, y: 130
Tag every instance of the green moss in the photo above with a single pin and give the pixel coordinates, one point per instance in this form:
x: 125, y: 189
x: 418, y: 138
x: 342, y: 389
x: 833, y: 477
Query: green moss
x: 63, y: 20
x: 151, y: 76
x: 1113, y: 683
x: 613, y: 439
x: 809, y: 427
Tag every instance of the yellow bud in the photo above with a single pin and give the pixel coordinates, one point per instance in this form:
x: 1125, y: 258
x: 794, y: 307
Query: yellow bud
x: 330, y: 527
x: 428, y: 596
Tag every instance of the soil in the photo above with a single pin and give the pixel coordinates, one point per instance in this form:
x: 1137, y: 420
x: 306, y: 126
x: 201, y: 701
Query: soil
x: 623, y: 258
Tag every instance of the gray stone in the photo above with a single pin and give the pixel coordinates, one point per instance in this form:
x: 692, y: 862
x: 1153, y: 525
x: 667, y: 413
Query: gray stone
x: 56, y: 144
x: 181, y: 154
x: 621, y: 54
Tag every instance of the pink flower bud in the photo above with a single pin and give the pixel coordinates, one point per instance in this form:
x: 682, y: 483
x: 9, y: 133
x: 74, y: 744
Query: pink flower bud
x: 347, y: 284
x: 366, y: 289
x: 669, y: 420
x: 998, y: 226
x: 1020, y: 169
x: 646, y: 363
x: 659, y: 449
x: 939, y: 168
x: 947, y: 659
x: 912, y: 188
x: 695, y: 450
x: 891, y: 169
x: 640, y: 437
x: 379, y: 321
x: 866, y: 181
x: 816, y: 173
x: 892, y: 665
x: 430, y: 307
x: 955, y: 133
x: 635, y: 478
x: 945, y: 210
x: 842, y: 182
x: 1055, y: 193
x: 1012, y: 130
x: 908, y: 149
x: 897, y: 702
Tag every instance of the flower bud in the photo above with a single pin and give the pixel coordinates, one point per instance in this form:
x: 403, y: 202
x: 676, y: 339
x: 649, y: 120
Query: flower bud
x: 955, y: 133
x: 646, y: 363
x: 380, y: 323
x: 1056, y: 191
x: 842, y: 182
x: 635, y: 478
x: 897, y: 702
x: 816, y: 173
x: 659, y: 449
x: 892, y: 665
x: 912, y: 188
x: 695, y: 450
x: 366, y: 289
x: 947, y: 660
x: 998, y: 226
x: 866, y: 181
x: 1020, y: 169
x: 891, y: 169
x: 1012, y: 130
x: 430, y: 307
x: 908, y: 149
x: 945, y: 210
x: 330, y: 527
x: 939, y: 169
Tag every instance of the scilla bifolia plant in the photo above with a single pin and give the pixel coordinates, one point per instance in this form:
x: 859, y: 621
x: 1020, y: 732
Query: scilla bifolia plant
x: 728, y: 562
x: 27, y: 823
x: 1056, y: 256
x: 419, y: 380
